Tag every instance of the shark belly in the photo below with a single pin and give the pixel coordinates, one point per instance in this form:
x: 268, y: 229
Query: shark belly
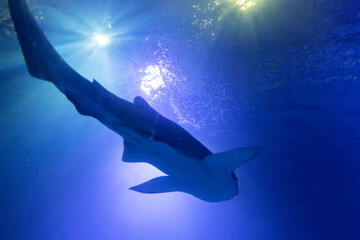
x: 177, y: 165
x: 190, y: 176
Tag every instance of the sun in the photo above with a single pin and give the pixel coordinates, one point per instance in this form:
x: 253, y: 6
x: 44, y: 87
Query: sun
x: 245, y: 4
x: 101, y: 40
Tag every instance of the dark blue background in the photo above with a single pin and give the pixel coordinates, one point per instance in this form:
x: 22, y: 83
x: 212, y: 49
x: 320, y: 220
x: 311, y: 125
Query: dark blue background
x: 283, y: 75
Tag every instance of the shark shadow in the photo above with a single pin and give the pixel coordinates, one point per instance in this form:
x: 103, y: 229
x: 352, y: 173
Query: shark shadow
x: 148, y: 136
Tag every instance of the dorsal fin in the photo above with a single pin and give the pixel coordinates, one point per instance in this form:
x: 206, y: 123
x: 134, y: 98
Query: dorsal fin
x: 227, y: 162
x: 147, y: 115
x: 139, y: 101
x: 141, y: 105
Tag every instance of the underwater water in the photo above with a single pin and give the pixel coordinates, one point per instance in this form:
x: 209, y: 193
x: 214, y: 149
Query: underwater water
x: 283, y: 75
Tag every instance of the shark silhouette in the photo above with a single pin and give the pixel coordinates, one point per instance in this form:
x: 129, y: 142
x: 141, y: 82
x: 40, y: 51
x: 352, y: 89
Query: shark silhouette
x: 148, y: 136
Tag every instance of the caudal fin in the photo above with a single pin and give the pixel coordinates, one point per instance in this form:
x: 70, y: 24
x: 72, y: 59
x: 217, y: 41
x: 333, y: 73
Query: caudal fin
x: 41, y: 58
x: 227, y: 162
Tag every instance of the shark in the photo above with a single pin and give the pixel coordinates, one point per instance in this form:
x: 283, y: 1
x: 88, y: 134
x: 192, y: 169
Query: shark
x: 148, y: 137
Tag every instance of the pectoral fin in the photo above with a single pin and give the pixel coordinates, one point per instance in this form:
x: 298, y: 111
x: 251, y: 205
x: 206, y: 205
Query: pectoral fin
x: 226, y: 162
x: 161, y: 184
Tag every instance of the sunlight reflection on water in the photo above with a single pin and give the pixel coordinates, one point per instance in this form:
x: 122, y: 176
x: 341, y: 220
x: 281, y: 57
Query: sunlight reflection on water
x: 153, y: 79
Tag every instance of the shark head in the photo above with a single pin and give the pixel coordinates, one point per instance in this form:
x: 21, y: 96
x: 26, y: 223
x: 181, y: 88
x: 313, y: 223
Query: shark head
x: 218, y: 189
x: 212, y: 179
x: 222, y: 166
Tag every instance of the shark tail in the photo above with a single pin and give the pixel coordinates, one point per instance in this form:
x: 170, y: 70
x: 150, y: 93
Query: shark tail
x: 41, y: 58
x: 227, y: 162
x: 43, y: 62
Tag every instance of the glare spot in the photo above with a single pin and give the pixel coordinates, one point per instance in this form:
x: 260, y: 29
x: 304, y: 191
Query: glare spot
x: 101, y: 40
x: 152, y: 80
x: 245, y: 4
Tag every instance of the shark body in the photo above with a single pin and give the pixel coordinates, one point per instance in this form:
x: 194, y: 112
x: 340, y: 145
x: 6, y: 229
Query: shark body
x: 148, y: 136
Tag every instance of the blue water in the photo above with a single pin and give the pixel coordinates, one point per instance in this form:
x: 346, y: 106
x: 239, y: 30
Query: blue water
x: 283, y: 75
